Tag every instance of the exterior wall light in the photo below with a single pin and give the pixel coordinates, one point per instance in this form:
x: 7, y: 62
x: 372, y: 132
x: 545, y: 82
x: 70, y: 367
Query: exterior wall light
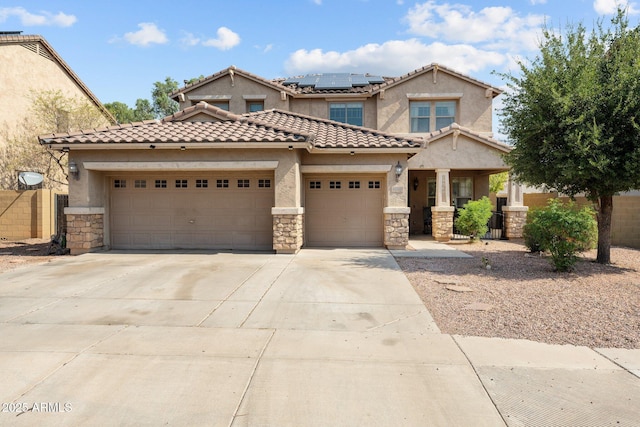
x: 73, y: 169
x: 416, y: 183
x: 398, y: 171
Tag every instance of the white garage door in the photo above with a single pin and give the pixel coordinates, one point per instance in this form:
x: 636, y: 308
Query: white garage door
x: 221, y: 211
x: 344, y: 211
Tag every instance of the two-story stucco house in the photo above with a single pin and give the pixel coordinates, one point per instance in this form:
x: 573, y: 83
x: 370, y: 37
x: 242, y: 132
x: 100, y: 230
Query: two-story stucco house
x: 318, y: 160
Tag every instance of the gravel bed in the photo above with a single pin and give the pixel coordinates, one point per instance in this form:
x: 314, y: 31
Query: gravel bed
x: 14, y: 254
x: 521, y: 296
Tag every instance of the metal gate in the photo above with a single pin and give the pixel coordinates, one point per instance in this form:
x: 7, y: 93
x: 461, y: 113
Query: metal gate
x: 496, y: 225
x: 62, y: 201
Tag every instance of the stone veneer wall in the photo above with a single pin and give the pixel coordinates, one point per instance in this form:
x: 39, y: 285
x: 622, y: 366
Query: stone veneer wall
x: 515, y: 218
x: 85, y: 232
x: 396, y: 230
x: 287, y: 233
x: 442, y: 224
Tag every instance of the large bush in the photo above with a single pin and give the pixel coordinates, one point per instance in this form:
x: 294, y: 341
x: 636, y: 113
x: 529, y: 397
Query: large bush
x: 473, y: 218
x: 563, y: 229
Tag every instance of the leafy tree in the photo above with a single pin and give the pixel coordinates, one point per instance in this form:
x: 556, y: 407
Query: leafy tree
x: 572, y: 117
x: 143, y: 110
x: 497, y: 181
x: 473, y: 218
x: 120, y: 111
x: 50, y: 112
x: 163, y: 105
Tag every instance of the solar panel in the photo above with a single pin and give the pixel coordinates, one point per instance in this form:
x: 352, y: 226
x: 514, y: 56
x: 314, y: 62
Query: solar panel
x: 334, y: 80
x: 375, y: 79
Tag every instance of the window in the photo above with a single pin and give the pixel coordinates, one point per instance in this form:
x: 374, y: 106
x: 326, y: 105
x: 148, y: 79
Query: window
x: 422, y: 112
x: 315, y: 185
x: 462, y: 191
x: 420, y: 116
x: 120, y: 183
x: 181, y: 183
x: 140, y: 183
x: 253, y: 106
x: 222, y: 183
x: 349, y: 112
x: 243, y: 183
x: 354, y: 184
x: 431, y: 192
x: 223, y: 105
x: 335, y: 185
x: 161, y: 183
x: 264, y: 183
x: 202, y: 183
x: 445, y: 114
x: 374, y: 184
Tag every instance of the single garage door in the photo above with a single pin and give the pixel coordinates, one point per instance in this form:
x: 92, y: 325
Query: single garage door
x: 344, y: 211
x: 221, y: 211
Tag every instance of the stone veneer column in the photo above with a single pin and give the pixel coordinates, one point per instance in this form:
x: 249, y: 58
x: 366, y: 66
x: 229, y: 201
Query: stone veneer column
x: 515, y: 213
x: 396, y: 227
x: 85, y: 229
x: 288, y: 226
x: 515, y: 217
x: 442, y: 223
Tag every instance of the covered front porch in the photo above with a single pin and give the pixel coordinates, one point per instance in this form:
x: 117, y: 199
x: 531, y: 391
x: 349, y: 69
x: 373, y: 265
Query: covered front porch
x: 453, y: 170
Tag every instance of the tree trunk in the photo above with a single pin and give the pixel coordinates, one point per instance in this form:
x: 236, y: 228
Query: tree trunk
x: 604, y: 229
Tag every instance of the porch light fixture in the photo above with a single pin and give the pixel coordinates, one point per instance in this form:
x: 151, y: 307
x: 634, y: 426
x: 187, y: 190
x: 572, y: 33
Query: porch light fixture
x: 398, y: 171
x: 73, y: 169
x: 415, y: 183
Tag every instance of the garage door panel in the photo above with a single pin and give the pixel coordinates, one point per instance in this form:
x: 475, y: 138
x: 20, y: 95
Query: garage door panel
x: 208, y: 217
x: 343, y: 216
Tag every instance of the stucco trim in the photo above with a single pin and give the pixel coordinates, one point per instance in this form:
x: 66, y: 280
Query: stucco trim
x: 195, y: 165
x: 287, y: 211
x: 208, y: 97
x: 83, y: 211
x: 345, y: 168
x: 396, y: 210
x: 434, y: 95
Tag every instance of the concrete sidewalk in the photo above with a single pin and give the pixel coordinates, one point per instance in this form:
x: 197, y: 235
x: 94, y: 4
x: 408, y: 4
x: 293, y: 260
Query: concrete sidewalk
x: 324, y: 337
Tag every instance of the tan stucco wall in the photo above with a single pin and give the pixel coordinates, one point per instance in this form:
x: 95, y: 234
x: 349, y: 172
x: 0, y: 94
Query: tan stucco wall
x: 237, y: 89
x: 468, y: 154
x: 473, y: 110
x: 24, y: 71
x: 319, y: 107
x: 27, y: 214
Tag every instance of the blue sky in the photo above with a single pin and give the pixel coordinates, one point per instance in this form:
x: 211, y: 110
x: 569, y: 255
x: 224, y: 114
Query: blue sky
x: 120, y: 48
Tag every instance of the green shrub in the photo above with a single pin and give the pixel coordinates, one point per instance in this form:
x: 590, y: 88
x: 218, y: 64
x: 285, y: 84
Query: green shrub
x: 563, y: 230
x: 473, y: 218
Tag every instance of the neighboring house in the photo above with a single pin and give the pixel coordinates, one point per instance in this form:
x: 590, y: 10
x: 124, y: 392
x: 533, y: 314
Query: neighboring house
x: 28, y: 65
x: 322, y: 160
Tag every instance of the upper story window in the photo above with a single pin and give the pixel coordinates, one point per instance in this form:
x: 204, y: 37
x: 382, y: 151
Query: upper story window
x: 428, y: 115
x: 346, y: 112
x: 223, y: 105
x: 253, y: 106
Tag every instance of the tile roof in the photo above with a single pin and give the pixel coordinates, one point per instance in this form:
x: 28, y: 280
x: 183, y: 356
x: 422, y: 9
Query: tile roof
x: 331, y: 134
x: 273, y: 126
x: 15, y: 39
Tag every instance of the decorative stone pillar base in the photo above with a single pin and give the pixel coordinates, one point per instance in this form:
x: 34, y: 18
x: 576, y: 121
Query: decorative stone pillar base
x: 396, y: 228
x: 85, y: 229
x: 288, y: 226
x: 442, y: 223
x: 515, y: 217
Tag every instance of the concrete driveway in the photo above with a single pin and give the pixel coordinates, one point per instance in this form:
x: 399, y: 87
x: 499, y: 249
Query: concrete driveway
x: 321, y: 338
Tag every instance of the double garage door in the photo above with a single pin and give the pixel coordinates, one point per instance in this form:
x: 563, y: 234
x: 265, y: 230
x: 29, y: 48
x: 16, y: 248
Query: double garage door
x: 233, y: 211
x: 208, y: 211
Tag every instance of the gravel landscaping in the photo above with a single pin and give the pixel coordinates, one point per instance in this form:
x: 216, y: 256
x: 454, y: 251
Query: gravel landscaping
x: 520, y: 296
x: 14, y: 254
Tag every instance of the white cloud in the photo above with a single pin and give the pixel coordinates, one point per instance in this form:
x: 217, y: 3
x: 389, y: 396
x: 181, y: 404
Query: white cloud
x: 147, y: 34
x: 29, y: 19
x: 226, y: 39
x: 393, y: 58
x: 610, y: 7
x: 535, y: 2
x: 318, y: 2
x: 496, y: 27
x: 189, y: 40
